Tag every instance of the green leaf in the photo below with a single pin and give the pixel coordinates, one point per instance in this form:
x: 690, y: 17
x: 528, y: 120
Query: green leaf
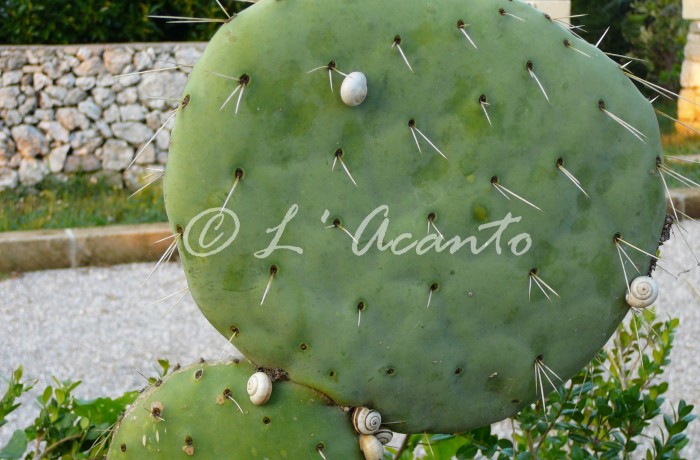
x: 467, y: 451
x: 16, y: 447
x: 46, y: 396
x: 60, y: 396
x: 104, y: 410
x: 164, y: 366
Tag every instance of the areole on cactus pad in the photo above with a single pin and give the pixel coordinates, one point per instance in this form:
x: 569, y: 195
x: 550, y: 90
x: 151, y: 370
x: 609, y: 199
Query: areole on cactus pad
x: 445, y: 245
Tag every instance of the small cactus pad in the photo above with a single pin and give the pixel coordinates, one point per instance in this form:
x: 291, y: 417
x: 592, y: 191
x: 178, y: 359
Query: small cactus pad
x: 203, y: 411
x: 426, y: 252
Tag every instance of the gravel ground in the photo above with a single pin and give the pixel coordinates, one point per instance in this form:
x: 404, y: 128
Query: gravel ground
x: 99, y: 325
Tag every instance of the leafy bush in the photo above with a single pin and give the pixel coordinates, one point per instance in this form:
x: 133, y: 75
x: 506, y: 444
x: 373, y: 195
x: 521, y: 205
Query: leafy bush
x: 104, y: 21
x: 66, y: 427
x: 657, y: 34
x: 609, y: 410
x: 652, y: 30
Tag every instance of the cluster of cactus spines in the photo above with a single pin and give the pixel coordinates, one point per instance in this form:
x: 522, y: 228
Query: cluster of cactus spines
x: 443, y: 239
x: 203, y: 411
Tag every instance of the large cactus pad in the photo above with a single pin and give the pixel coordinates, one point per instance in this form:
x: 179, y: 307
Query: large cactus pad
x: 426, y: 251
x: 203, y: 411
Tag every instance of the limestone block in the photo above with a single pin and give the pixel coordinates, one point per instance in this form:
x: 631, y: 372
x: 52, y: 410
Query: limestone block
x: 691, y: 9
x: 690, y: 74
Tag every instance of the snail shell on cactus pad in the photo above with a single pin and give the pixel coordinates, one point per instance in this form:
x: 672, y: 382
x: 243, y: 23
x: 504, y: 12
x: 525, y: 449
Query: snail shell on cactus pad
x: 354, y: 89
x: 259, y: 388
x: 371, y: 447
x: 643, y: 292
x: 366, y: 421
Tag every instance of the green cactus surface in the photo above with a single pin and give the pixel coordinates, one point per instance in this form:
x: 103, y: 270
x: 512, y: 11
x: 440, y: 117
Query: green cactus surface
x: 429, y: 251
x: 203, y: 411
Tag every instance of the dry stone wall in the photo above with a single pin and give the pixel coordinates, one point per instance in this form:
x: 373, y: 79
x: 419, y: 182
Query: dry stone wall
x: 65, y: 110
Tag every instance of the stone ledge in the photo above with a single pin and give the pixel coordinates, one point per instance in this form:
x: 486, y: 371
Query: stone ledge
x: 686, y: 201
x: 120, y: 244
x: 79, y: 247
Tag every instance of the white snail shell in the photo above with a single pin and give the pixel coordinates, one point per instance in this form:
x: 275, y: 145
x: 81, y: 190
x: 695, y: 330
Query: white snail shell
x: 371, y: 447
x: 259, y: 388
x: 643, y: 292
x: 354, y: 89
x: 366, y: 421
x: 384, y: 435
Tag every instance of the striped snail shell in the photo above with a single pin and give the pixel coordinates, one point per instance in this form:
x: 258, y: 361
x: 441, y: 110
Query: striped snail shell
x: 384, y: 435
x: 259, y: 388
x: 354, y: 89
x: 371, y: 447
x: 366, y: 421
x: 643, y: 292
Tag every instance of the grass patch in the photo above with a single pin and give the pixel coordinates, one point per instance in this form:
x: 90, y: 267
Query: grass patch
x: 80, y: 201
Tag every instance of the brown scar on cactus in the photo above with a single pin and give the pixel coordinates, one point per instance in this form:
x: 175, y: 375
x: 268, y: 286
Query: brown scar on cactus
x: 397, y: 44
x: 228, y: 395
x: 156, y: 411
x: 188, y: 448
x: 461, y: 26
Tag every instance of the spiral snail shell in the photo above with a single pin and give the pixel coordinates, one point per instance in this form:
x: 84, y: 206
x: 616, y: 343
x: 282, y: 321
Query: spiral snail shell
x: 354, y: 89
x: 371, y: 447
x: 366, y: 421
x: 643, y: 292
x: 259, y: 388
x: 384, y: 435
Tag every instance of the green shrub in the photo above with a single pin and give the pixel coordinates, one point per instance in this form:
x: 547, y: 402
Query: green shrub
x: 657, y: 33
x: 103, y: 21
x: 652, y: 30
x: 612, y: 409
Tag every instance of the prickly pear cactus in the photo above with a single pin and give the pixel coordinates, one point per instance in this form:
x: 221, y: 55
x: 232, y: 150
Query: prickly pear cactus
x: 445, y: 248
x: 203, y: 411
